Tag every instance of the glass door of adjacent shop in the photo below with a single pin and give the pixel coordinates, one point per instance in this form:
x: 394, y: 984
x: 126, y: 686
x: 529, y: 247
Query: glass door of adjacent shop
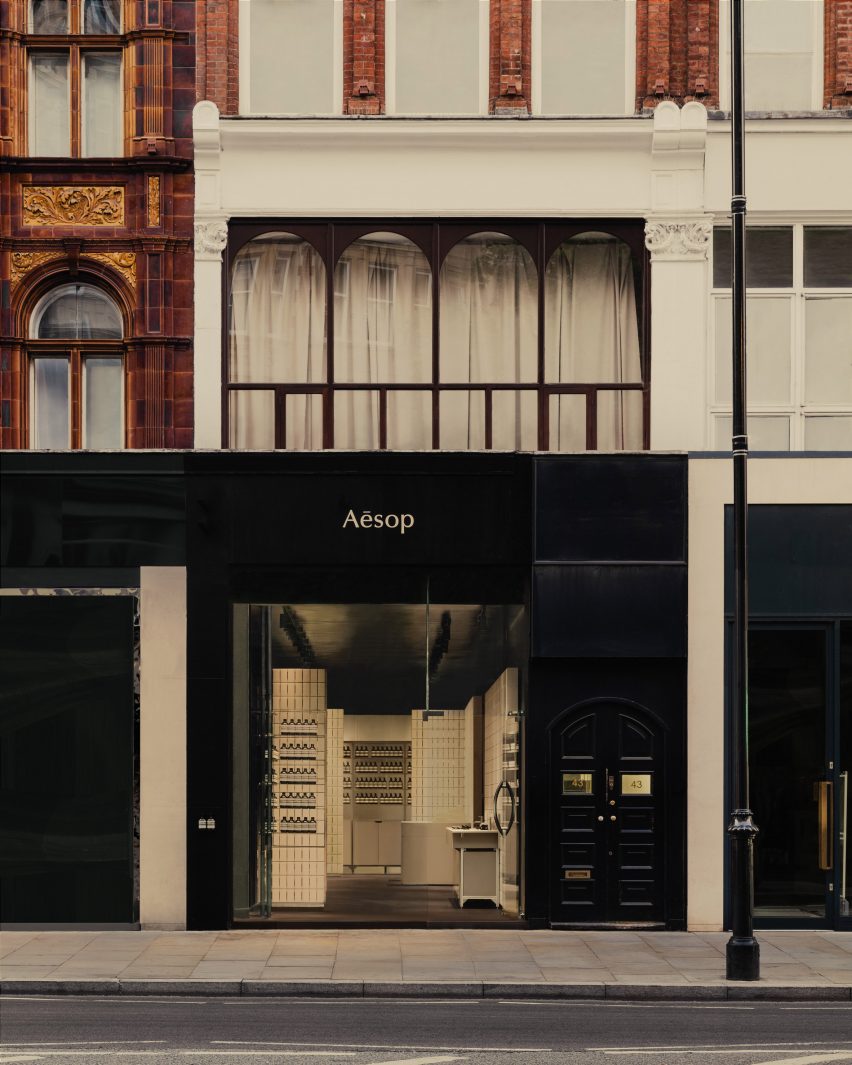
x: 376, y: 757
x: 800, y: 719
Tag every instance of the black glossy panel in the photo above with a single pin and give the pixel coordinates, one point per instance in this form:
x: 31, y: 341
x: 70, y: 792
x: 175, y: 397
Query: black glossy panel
x: 578, y: 892
x: 578, y: 740
x: 810, y: 546
x: 636, y: 855
x: 578, y: 855
x: 67, y: 727
x: 637, y: 819
x: 634, y: 740
x: 636, y: 892
x: 578, y: 819
x: 594, y: 508
x: 609, y: 611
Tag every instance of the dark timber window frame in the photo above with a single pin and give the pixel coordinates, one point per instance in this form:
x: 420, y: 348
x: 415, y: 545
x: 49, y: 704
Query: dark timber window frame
x: 540, y: 238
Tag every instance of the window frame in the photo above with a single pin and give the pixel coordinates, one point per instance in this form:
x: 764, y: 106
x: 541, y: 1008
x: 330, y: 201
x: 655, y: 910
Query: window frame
x: 75, y: 44
x: 435, y: 239
x: 797, y: 411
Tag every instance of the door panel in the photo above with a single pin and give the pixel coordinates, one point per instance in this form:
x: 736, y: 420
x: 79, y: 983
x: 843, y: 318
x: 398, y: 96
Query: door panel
x: 608, y: 792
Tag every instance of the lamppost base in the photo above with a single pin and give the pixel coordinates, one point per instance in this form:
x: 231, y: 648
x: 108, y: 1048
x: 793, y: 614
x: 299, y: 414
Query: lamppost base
x: 742, y: 959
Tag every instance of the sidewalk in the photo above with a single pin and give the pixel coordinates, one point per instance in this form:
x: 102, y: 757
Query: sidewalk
x: 468, y: 963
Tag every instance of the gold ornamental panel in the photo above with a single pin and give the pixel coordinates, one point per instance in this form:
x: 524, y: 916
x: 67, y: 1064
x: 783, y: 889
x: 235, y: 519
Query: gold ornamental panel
x: 153, y: 200
x: 24, y: 261
x: 123, y: 261
x: 73, y: 205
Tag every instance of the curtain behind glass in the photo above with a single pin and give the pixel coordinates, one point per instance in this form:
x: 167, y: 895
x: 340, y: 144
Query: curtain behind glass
x: 50, y: 131
x: 102, y: 104
x: 49, y: 16
x: 489, y: 319
x: 277, y: 336
x: 103, y: 422
x: 592, y: 336
x: 51, y: 428
x: 382, y: 335
x: 102, y: 16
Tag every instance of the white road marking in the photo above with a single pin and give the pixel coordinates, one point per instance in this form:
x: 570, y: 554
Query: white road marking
x: 418, y: 1061
x: 381, y: 1046
x: 24, y: 1057
x: 810, y: 1059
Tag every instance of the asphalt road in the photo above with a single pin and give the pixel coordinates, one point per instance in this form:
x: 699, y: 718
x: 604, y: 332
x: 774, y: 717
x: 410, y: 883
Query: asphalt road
x: 216, y: 1031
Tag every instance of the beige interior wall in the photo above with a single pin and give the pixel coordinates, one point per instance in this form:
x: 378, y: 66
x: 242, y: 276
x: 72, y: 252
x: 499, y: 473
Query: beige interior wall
x: 779, y: 481
x: 162, y: 742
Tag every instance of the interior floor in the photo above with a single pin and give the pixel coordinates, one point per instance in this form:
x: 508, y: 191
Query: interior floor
x: 375, y: 901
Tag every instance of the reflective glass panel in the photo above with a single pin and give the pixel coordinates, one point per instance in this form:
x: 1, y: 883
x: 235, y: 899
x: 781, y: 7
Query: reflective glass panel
x: 277, y: 319
x: 768, y: 343
x: 49, y: 105
x: 303, y: 422
x: 828, y: 350
x: 514, y: 421
x: 766, y: 432
x: 102, y: 111
x: 49, y: 409
x: 252, y: 420
x: 49, y: 16
x: 582, y: 57
x: 76, y: 312
x: 103, y: 403
x: 462, y: 421
x: 409, y: 421
x: 828, y: 256
x: 567, y: 422
x: 102, y: 16
x: 437, y: 68
x: 356, y: 420
x: 828, y: 432
x: 382, y: 323
x: 769, y: 257
x: 489, y: 319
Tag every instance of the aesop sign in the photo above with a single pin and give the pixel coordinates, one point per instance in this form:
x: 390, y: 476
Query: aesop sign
x: 367, y: 520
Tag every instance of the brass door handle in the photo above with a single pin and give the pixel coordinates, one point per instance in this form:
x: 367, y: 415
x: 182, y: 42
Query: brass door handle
x: 825, y: 813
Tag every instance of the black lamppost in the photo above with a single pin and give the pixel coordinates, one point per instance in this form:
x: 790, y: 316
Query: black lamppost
x: 743, y: 950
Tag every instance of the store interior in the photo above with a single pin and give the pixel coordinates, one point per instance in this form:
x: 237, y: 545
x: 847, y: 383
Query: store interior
x: 376, y: 764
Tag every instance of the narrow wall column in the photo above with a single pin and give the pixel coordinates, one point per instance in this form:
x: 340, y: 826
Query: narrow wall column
x: 677, y: 52
x: 838, y: 54
x: 162, y: 754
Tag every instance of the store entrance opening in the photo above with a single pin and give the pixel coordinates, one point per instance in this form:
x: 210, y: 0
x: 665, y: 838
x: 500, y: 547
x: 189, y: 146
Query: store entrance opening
x: 376, y: 763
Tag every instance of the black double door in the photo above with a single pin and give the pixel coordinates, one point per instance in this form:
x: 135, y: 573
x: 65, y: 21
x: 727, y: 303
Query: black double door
x: 608, y: 815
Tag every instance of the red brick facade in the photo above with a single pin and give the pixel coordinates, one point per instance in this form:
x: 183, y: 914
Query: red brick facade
x: 363, y: 57
x: 218, y: 64
x: 124, y: 225
x: 838, y: 54
x: 510, y: 48
x: 677, y: 52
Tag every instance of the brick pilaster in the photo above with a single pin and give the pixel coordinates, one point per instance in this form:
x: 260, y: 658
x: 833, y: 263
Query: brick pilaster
x: 363, y: 57
x: 838, y: 54
x: 218, y: 61
x: 677, y: 52
x: 510, y: 44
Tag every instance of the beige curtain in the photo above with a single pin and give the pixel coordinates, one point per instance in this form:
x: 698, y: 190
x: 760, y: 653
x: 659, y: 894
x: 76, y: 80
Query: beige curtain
x: 489, y: 330
x: 592, y: 336
x: 277, y: 336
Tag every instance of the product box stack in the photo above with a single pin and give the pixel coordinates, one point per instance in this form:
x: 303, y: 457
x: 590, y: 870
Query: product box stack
x: 299, y: 776
x: 438, y: 765
x: 334, y: 791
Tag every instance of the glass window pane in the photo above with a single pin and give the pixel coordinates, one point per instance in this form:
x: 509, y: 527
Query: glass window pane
x: 102, y: 112
x: 102, y: 16
x: 303, y: 429
x: 252, y: 420
x: 567, y: 423
x: 767, y: 349
x: 409, y: 421
x: 514, y: 421
x: 489, y: 319
x: 619, y: 421
x: 77, y: 312
x: 49, y: 105
x: 49, y: 16
x: 292, y: 57
x: 582, y: 57
x: 828, y: 350
x: 382, y: 324
x: 769, y: 257
x: 277, y: 319
x: 766, y: 432
x: 103, y: 425
x: 51, y: 427
x: 437, y: 50
x: 779, y: 54
x: 462, y: 421
x: 356, y: 421
x: 828, y: 433
x: 828, y: 256
x: 590, y: 324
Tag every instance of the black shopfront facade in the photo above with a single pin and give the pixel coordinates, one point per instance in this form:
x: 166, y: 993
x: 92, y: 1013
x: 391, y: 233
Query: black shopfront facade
x: 590, y: 548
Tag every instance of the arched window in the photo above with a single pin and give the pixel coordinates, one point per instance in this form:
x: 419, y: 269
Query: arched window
x: 76, y: 370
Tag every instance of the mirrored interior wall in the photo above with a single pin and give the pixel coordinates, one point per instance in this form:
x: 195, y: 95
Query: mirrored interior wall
x: 376, y: 761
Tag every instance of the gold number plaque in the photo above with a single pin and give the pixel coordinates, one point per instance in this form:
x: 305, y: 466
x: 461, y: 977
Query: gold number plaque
x: 576, y: 783
x: 636, y: 783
